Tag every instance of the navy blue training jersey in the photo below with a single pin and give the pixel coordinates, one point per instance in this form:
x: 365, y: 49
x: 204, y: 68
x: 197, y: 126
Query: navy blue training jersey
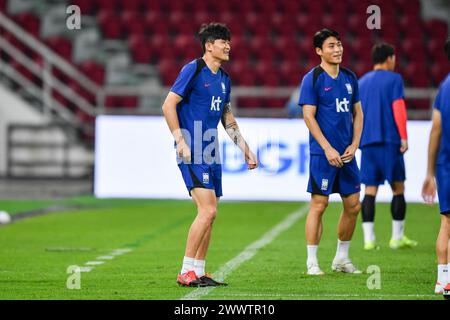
x: 442, y: 104
x: 378, y: 89
x: 334, y: 99
x: 204, y: 97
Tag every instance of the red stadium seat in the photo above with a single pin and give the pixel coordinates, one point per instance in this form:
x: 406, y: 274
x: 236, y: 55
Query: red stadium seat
x: 409, y: 7
x: 248, y: 79
x: 61, y: 46
x: 86, y: 6
x: 249, y: 102
x: 110, y: 24
x: 438, y: 73
x: 437, y: 29
x: 290, y: 6
x: 418, y: 104
x: 271, y: 78
x: 121, y: 102
x: 110, y: 5
x: 29, y: 22
x: 141, y: 49
x: 276, y: 103
x: 94, y: 71
x: 133, y: 23
x: 134, y: 5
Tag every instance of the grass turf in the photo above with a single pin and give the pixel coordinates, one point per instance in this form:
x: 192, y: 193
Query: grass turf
x: 36, y: 252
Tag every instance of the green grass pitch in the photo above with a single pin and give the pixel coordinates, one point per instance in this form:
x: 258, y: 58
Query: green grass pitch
x: 36, y: 252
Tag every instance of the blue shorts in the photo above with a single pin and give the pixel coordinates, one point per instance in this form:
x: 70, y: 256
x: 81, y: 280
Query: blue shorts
x: 324, y: 179
x: 380, y: 162
x: 202, y: 176
x: 443, y: 187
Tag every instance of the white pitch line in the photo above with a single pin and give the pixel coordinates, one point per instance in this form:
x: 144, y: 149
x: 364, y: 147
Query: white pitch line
x: 119, y: 252
x: 250, y: 251
x: 94, y: 263
x: 85, y: 269
x: 105, y: 258
x: 293, y: 295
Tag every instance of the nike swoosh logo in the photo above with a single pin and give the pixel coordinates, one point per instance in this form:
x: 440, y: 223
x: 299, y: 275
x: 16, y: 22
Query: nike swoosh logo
x: 328, y: 88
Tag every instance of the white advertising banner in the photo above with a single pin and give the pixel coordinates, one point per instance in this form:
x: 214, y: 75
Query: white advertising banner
x: 135, y: 158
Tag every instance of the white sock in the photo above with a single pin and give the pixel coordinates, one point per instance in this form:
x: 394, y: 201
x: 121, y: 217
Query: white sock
x: 369, y: 234
x: 397, y: 229
x: 342, y: 250
x: 443, y: 274
x: 199, y: 267
x: 188, y: 265
x: 312, y: 255
x: 448, y: 273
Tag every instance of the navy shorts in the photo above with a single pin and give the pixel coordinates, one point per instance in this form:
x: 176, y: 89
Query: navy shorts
x: 324, y: 179
x: 443, y: 187
x: 202, y: 176
x: 380, y: 162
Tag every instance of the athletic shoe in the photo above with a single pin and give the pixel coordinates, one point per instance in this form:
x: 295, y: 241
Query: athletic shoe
x: 404, y: 242
x: 189, y: 279
x: 210, y: 282
x: 371, y: 245
x: 345, y: 266
x: 314, y: 270
x: 447, y: 291
x: 438, y: 288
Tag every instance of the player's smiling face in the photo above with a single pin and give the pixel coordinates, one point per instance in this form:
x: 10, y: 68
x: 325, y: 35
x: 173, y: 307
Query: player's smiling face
x: 220, y: 49
x: 331, y: 51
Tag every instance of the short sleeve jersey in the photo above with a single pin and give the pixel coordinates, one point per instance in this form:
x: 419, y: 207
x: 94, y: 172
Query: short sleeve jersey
x: 378, y: 90
x: 204, y: 96
x: 334, y: 99
x: 442, y: 103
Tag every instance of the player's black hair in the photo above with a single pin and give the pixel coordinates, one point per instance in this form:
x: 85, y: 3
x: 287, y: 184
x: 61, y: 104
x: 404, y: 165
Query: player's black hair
x: 447, y: 48
x: 322, y: 35
x: 213, y: 31
x: 382, y: 51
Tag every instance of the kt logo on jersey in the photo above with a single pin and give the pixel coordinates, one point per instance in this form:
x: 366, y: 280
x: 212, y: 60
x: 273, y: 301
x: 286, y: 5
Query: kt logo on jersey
x: 342, y: 106
x: 215, y: 103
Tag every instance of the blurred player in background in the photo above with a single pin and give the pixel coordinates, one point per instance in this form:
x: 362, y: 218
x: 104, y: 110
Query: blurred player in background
x: 332, y: 111
x: 384, y: 141
x: 439, y: 167
x: 198, y: 100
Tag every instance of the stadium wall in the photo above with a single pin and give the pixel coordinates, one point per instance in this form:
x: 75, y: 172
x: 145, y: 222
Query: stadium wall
x: 135, y: 158
x: 13, y: 110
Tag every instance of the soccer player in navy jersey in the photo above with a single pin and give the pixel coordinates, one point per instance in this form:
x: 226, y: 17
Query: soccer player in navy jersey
x: 439, y: 167
x: 384, y: 141
x: 198, y: 100
x: 332, y: 111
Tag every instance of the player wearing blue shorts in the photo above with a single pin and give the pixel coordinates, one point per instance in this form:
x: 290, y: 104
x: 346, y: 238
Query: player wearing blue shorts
x: 332, y: 111
x: 439, y: 167
x: 384, y: 141
x: 196, y: 103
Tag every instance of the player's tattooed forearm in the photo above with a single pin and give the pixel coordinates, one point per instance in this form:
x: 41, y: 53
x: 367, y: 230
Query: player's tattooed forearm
x: 231, y: 125
x: 227, y: 108
x: 233, y: 131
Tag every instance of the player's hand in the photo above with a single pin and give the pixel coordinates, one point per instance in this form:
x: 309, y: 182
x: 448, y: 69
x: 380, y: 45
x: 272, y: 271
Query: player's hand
x: 429, y: 190
x: 349, y: 153
x: 404, y: 146
x: 251, y: 160
x: 184, y: 152
x: 333, y: 157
